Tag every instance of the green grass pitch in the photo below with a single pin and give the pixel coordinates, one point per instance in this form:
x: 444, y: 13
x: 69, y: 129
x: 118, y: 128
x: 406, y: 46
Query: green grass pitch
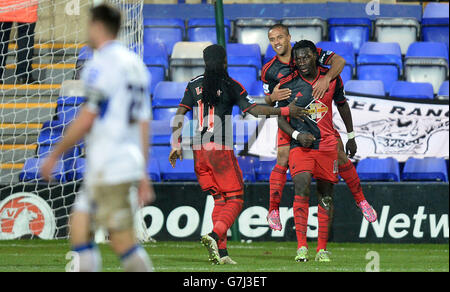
x: 50, y: 256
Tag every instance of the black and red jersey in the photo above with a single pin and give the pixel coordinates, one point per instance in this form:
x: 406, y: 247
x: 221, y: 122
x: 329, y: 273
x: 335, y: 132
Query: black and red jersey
x: 319, y: 121
x: 274, y: 70
x: 214, y: 123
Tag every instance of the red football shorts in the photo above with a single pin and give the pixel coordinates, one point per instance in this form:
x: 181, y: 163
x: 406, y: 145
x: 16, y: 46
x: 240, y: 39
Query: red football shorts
x: 323, y: 165
x: 283, y: 139
x: 217, y: 168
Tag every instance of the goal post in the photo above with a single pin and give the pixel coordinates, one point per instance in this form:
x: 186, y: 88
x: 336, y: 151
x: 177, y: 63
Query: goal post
x: 34, y: 113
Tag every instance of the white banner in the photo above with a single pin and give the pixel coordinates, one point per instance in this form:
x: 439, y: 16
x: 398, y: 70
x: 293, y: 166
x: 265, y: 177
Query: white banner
x: 383, y: 128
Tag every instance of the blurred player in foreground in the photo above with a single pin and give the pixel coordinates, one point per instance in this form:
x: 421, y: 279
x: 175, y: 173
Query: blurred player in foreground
x: 314, y: 147
x: 115, y: 121
x: 273, y: 71
x: 213, y: 95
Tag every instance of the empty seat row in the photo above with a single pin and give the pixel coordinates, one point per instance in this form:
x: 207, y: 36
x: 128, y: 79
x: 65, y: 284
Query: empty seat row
x: 401, y: 89
x: 254, y: 30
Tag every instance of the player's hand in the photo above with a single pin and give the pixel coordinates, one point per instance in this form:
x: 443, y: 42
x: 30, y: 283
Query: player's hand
x: 350, y: 147
x: 174, y: 155
x: 280, y: 94
x: 297, y: 112
x: 321, y: 87
x: 47, y: 167
x: 306, y: 139
x: 146, y: 193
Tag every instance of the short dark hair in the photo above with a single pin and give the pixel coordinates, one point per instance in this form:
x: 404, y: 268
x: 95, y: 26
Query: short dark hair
x: 279, y: 25
x: 305, y: 44
x: 109, y: 16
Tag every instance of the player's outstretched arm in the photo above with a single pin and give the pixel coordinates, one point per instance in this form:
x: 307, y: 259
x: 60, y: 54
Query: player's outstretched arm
x: 277, y: 95
x: 291, y: 110
x: 76, y: 131
x: 337, y: 64
x: 177, y: 127
x: 346, y: 115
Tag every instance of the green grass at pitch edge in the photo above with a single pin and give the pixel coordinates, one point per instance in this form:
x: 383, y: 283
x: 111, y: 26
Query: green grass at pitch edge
x: 50, y: 256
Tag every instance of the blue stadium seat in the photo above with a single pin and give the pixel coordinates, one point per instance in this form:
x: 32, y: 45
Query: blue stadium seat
x: 160, y: 131
x: 443, y: 90
x: 50, y: 133
x: 157, y: 62
x: 263, y: 169
x: 247, y: 165
x: 244, y: 75
x: 159, y: 151
x: 380, y: 61
x: 378, y: 169
x: 343, y: 49
x: 31, y: 170
x: 435, y: 23
x: 236, y: 112
x: 167, y: 113
x: 428, y: 169
x: 372, y: 87
x: 427, y: 62
x: 153, y: 169
x: 168, y: 94
x: 184, y: 170
x: 77, y: 172
x: 414, y: 90
x: 164, y: 30
x: 243, y: 130
x: 204, y: 30
x: 67, y: 108
x: 354, y: 30
x: 256, y: 89
x: 244, y: 56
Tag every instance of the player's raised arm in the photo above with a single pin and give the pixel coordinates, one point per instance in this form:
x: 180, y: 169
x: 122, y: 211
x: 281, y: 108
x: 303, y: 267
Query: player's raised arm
x: 291, y: 110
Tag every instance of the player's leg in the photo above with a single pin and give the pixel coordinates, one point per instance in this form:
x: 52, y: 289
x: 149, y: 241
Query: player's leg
x: 81, y: 239
x: 228, y: 176
x: 115, y: 212
x: 277, y: 180
x: 348, y: 172
x: 302, y: 183
x: 325, y: 212
x: 208, y: 184
x: 219, y: 202
x: 301, y: 167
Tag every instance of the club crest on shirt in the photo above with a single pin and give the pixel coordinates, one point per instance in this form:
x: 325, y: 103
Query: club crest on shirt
x: 316, y: 110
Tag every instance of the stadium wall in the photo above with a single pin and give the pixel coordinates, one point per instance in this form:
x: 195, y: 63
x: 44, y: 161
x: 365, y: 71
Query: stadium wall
x: 407, y: 212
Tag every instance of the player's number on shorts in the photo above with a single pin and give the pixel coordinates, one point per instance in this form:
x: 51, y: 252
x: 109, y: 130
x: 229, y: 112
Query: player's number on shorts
x: 137, y: 94
x: 209, y: 117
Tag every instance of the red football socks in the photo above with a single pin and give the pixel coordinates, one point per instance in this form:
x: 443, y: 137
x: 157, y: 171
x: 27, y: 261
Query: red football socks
x: 351, y: 178
x: 227, y: 216
x: 218, y: 205
x: 301, y: 210
x: 324, y: 219
x: 277, y: 181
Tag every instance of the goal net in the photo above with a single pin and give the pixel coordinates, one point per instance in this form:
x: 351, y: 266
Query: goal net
x: 40, y: 96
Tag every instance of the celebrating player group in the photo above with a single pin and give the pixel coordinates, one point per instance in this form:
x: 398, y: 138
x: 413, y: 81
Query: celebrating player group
x: 299, y: 90
x: 115, y: 119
